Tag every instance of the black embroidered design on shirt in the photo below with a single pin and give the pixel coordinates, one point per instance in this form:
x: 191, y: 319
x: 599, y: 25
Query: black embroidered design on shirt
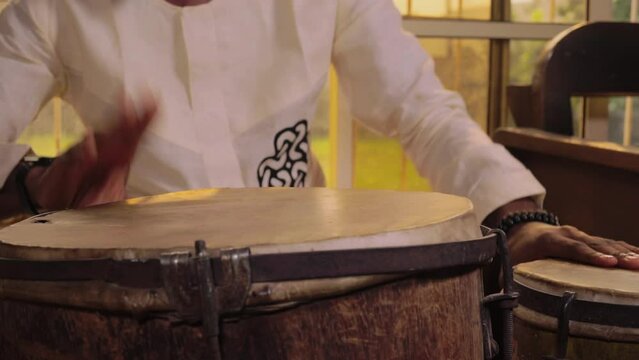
x: 289, y: 166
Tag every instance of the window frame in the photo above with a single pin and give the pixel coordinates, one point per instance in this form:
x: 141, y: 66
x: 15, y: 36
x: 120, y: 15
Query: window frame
x: 499, y: 31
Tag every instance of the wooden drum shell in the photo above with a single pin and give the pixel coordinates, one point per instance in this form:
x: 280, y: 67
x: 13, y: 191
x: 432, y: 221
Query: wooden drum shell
x: 534, y: 342
x: 430, y: 316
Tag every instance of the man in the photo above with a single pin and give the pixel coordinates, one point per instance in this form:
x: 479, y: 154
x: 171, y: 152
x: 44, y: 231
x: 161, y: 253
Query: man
x: 235, y: 84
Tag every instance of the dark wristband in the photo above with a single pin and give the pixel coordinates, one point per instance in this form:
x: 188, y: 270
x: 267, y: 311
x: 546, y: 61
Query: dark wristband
x: 520, y: 217
x: 21, y: 175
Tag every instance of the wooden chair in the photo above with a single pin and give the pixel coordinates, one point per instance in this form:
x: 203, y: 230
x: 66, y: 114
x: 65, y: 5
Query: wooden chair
x: 591, y: 185
x: 588, y: 59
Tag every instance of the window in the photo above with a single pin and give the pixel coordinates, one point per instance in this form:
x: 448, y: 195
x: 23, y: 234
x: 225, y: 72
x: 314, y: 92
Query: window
x: 466, y: 45
x: 467, y: 9
x: 548, y: 11
x: 618, y: 117
x: 462, y: 65
x: 56, y: 127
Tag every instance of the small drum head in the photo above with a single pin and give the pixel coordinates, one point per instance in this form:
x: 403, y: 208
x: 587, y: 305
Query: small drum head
x: 605, y: 306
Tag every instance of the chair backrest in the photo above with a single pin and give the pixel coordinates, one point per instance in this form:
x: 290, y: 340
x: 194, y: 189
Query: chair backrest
x: 600, y: 58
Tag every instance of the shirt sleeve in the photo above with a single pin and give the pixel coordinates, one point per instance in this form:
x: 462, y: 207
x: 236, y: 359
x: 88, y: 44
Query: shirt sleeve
x: 392, y: 87
x: 29, y: 74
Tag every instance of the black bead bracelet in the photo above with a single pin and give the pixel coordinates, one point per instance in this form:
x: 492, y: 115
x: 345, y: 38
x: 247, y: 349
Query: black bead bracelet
x: 521, y: 217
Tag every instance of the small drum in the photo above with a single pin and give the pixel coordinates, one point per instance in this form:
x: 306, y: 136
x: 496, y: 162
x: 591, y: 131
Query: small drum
x: 574, y: 311
x: 279, y: 274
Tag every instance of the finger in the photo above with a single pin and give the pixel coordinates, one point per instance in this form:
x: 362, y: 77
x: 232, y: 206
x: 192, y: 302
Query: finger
x: 109, y: 187
x: 626, y: 254
x: 59, y: 186
x: 62, y: 180
x: 564, y: 247
x: 88, y: 149
x: 626, y: 257
x: 127, y: 113
x: 149, y: 109
x: 629, y: 247
x: 605, y: 246
x: 631, y: 259
x: 124, y: 138
x: 627, y: 260
x: 117, y: 147
x: 143, y: 121
x: 84, y: 151
x: 125, y: 131
x: 133, y: 121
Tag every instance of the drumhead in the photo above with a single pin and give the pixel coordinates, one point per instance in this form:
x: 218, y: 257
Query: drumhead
x: 596, y: 284
x: 266, y: 220
x: 606, y: 302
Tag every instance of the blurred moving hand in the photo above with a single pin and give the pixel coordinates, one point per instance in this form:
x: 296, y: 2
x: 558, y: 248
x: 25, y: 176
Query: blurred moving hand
x: 94, y: 171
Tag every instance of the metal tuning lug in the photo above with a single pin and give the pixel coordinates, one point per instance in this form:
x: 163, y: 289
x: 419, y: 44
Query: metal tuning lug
x: 563, y: 327
x: 505, y: 301
x: 209, y: 299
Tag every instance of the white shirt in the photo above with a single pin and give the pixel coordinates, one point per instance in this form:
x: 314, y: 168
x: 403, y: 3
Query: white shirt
x: 238, y: 83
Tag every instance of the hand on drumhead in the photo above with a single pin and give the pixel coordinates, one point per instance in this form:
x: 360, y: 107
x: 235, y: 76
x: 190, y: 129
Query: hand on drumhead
x: 533, y: 240
x: 95, y: 170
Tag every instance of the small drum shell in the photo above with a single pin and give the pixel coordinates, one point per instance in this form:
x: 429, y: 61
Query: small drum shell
x: 533, y: 342
x: 603, y: 315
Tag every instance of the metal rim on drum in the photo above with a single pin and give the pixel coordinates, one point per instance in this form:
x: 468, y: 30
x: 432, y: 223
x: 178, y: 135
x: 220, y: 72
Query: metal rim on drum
x: 581, y: 310
x: 578, y: 301
x: 267, y: 267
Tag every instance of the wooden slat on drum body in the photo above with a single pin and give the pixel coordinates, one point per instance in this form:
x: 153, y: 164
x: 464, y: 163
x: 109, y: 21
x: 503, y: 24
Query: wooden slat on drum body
x: 417, y: 318
x: 267, y: 220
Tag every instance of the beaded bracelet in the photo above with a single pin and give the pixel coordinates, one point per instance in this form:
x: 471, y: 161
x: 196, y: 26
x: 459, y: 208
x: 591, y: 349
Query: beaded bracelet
x: 520, y: 217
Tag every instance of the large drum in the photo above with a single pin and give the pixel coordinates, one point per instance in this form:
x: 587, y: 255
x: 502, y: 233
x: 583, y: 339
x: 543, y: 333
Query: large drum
x: 280, y: 274
x: 574, y: 311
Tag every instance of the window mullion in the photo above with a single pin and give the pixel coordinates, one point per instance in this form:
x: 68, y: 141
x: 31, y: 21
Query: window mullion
x: 498, y: 69
x: 479, y: 29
